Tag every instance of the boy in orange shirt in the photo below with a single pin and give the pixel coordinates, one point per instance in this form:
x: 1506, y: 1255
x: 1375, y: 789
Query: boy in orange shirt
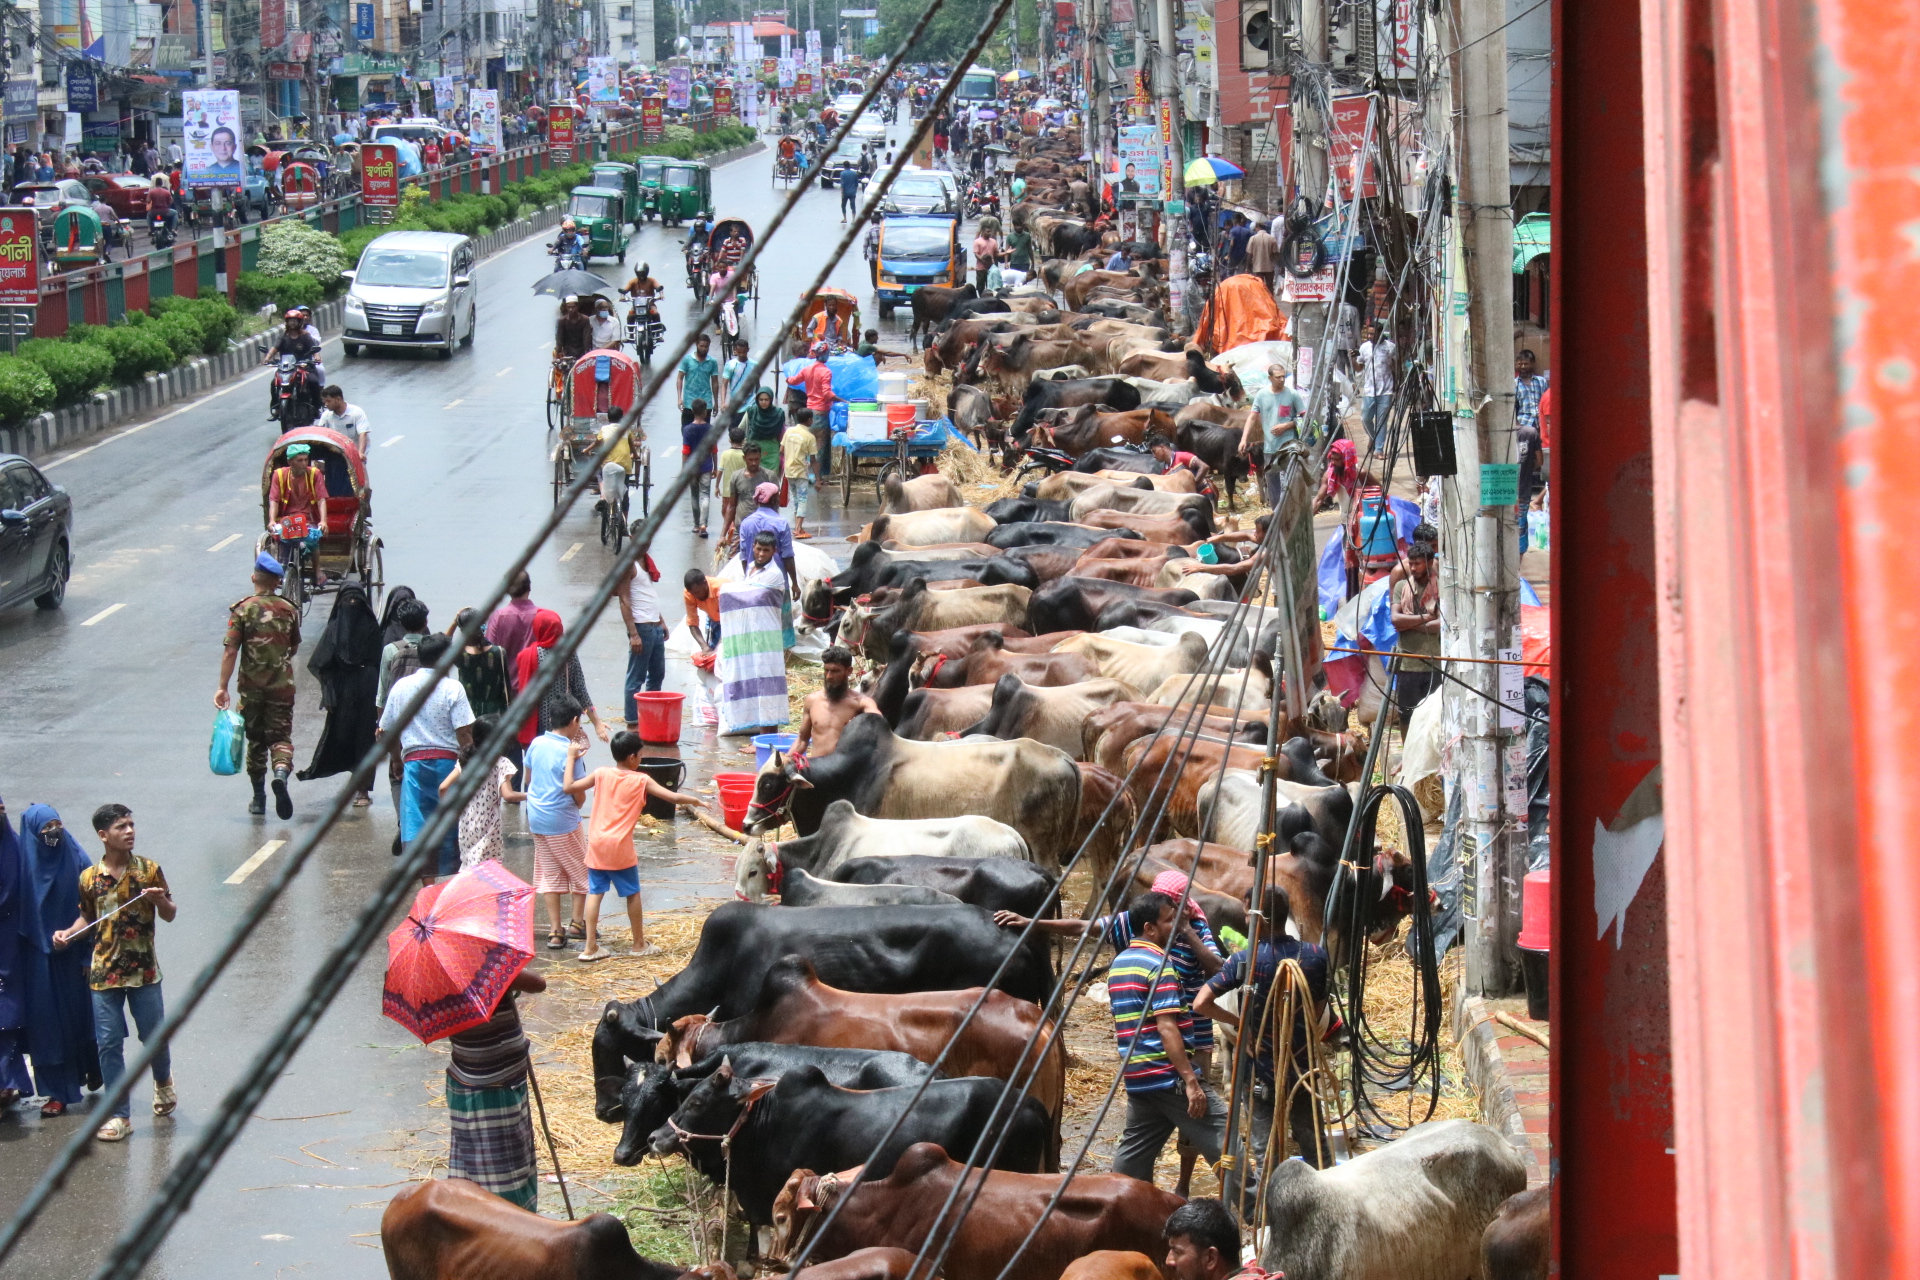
x: 611, y: 864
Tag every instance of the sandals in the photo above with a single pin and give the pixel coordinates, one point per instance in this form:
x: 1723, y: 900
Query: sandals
x: 53, y: 1108
x: 591, y: 957
x: 556, y: 941
x: 117, y: 1129
x: 576, y: 928
x: 641, y: 953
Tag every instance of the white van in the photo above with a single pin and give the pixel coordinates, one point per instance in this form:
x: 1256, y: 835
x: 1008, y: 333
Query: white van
x: 412, y: 289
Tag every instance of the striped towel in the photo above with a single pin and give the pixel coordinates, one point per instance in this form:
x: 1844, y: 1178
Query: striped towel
x: 755, y: 629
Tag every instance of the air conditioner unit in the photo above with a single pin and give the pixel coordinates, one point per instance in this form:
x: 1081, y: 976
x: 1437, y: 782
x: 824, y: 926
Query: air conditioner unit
x: 1257, y: 44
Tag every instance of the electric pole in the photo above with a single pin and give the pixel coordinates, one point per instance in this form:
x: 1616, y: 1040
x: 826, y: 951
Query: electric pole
x: 1311, y: 129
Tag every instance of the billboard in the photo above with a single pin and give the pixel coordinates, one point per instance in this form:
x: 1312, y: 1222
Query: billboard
x: 679, y: 88
x: 1348, y: 131
x: 723, y: 99
x: 1137, y: 163
x: 484, y: 121
x: 211, y: 123
x: 603, y: 80
x: 560, y: 131
x: 653, y: 116
x: 380, y: 175
x: 19, y: 259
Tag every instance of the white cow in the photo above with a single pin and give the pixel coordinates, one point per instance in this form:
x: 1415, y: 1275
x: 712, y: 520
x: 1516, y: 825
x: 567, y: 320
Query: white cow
x: 845, y: 834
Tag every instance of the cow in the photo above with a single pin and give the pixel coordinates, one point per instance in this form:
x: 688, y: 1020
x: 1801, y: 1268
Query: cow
x: 1086, y: 427
x: 1049, y: 562
x: 1139, y: 665
x: 1102, y: 1264
x: 1237, y: 809
x: 1064, y: 486
x: 933, y: 303
x: 922, y: 493
x: 1518, y: 1243
x: 931, y: 715
x: 996, y: 884
x: 453, y: 1229
x: 903, y: 1208
x: 1139, y: 571
x: 1131, y: 461
x: 1180, y: 527
x: 1074, y: 290
x: 860, y: 948
x: 845, y: 834
x: 989, y: 660
x: 1045, y: 393
x: 1052, y: 534
x: 1198, y: 760
x: 1034, y: 789
x: 1002, y: 1037
x: 919, y: 609
x: 801, y: 1120
x: 1219, y: 448
x: 1106, y: 734
x: 1179, y: 480
x: 1417, y: 1206
x: 972, y: 412
x: 798, y: 889
x: 872, y: 566
x: 1224, y: 909
x: 1234, y: 691
x: 1144, y: 501
x: 869, y: 1264
x: 1054, y: 716
x: 1172, y: 366
x: 1074, y: 603
x: 1024, y: 510
x: 651, y: 1090
x: 1133, y: 312
x: 942, y: 524
x: 1107, y: 815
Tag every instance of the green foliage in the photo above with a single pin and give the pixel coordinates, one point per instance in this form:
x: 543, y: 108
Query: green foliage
x: 296, y: 290
x: 291, y: 246
x: 25, y: 389
x: 178, y: 331
x: 948, y: 35
x: 215, y: 318
x: 136, y: 352
x: 76, y: 369
x: 678, y: 133
x: 253, y: 290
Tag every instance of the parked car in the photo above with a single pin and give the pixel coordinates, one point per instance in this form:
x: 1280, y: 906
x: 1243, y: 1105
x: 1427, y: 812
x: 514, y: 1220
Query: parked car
x: 124, y: 193
x: 415, y: 129
x: 412, y: 289
x: 49, y: 198
x: 36, y: 536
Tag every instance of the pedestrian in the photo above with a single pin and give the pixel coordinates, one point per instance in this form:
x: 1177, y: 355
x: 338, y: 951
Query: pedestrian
x: 639, y: 594
x: 620, y: 795
x: 735, y: 373
x: 766, y: 423
x: 825, y: 714
x: 536, y: 657
x: 16, y: 907
x: 737, y: 501
x: 553, y: 817
x: 59, y: 1007
x: 766, y: 518
x: 1257, y: 1013
x: 1203, y: 1243
x: 693, y: 380
x: 345, y: 418
x: 120, y: 896
x: 1278, y: 409
x: 1239, y: 235
x: 512, y: 623
x: 695, y: 452
x: 1263, y: 254
x: 406, y: 626
x: 1020, y: 248
x: 1416, y: 617
x: 1528, y: 386
x: 850, y: 180
x: 428, y: 747
x: 490, y: 1139
x: 481, y: 667
x: 816, y: 380
x: 346, y: 661
x: 732, y: 462
x: 263, y: 634
x: 986, y: 252
x: 757, y: 616
x: 797, y: 450
x: 1376, y: 384
x: 701, y: 596
x: 480, y: 821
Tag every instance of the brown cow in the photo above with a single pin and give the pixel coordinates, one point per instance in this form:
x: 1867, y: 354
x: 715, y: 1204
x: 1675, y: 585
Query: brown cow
x: 865, y: 1264
x: 1163, y: 366
x: 1179, y: 480
x: 1518, y: 1244
x: 956, y: 642
x: 989, y: 659
x: 453, y: 1229
x: 1199, y: 761
x: 797, y: 1008
x: 1108, y: 733
x: 1015, y: 357
x: 922, y: 493
x: 1076, y: 290
x: 1382, y: 888
x: 1139, y: 571
x: 1097, y: 1211
x: 1104, y: 832
x: 1113, y: 1264
x: 1173, y: 528
x: 1085, y: 427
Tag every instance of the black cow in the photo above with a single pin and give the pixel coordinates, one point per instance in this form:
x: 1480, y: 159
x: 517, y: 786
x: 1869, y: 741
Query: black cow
x: 1219, y: 448
x: 803, y: 1121
x: 1119, y: 460
x: 933, y: 303
x: 642, y: 1100
x: 878, y: 949
x: 1075, y: 604
x: 993, y: 884
x: 1117, y: 394
x: 1027, y: 510
x: 1052, y: 533
x: 1299, y: 753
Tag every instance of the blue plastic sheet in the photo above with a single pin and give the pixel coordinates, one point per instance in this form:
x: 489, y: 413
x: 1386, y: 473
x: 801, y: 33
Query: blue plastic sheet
x: 854, y: 377
x: 929, y: 438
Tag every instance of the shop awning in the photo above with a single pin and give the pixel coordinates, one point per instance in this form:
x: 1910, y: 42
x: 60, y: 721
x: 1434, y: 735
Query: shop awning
x: 1531, y: 238
x: 763, y: 30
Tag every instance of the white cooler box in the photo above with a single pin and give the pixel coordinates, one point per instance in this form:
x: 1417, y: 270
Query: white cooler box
x: 866, y: 424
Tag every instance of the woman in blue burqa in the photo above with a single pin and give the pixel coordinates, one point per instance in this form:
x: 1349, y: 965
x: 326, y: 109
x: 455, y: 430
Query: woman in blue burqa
x: 14, y: 1082
x: 59, y: 1022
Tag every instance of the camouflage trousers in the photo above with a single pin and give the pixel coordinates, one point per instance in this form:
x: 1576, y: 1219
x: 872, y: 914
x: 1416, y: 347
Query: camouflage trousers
x: 269, y: 725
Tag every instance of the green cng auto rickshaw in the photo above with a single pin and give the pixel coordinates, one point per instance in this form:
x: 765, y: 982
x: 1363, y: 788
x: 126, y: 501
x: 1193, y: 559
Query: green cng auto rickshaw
x: 615, y: 176
x: 650, y: 167
x: 598, y: 212
x: 686, y: 191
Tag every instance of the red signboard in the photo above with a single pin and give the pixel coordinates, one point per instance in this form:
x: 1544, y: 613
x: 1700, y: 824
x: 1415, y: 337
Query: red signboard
x: 723, y: 99
x: 1345, y: 139
x: 273, y: 24
x: 803, y: 83
x: 769, y: 66
x: 560, y: 132
x: 653, y: 116
x: 379, y: 175
x: 19, y: 259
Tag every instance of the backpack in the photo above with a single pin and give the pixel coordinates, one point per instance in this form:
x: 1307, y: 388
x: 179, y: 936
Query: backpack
x: 406, y: 661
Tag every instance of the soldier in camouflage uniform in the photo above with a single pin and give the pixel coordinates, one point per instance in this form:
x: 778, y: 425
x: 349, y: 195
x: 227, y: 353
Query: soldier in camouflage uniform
x: 263, y: 634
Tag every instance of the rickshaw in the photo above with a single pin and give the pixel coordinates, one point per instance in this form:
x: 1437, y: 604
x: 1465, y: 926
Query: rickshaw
x: 786, y: 162
x: 300, y: 184
x: 833, y: 317
x: 78, y: 238
x: 686, y: 190
x: 621, y: 177
x: 650, y: 170
x: 746, y: 287
x: 347, y: 547
x: 597, y: 393
x: 600, y: 215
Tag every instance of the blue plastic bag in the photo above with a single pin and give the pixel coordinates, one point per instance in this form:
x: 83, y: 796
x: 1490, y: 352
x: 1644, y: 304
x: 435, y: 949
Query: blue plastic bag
x: 229, y: 748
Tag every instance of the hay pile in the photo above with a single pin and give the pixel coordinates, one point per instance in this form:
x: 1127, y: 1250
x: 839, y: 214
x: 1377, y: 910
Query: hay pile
x: 979, y: 475
x: 933, y: 388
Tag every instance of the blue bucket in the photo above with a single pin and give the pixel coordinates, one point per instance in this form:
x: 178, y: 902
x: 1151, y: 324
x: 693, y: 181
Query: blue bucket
x: 765, y: 744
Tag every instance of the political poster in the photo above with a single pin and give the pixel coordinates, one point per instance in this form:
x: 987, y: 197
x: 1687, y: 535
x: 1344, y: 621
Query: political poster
x: 1137, y: 164
x: 19, y: 260
x: 813, y: 46
x: 787, y: 73
x: 750, y: 104
x: 803, y: 83
x: 653, y: 116
x: 380, y: 175
x: 603, y: 80
x: 723, y: 99
x: 211, y: 125
x: 443, y: 94
x: 484, y: 121
x: 679, y: 88
x: 560, y: 132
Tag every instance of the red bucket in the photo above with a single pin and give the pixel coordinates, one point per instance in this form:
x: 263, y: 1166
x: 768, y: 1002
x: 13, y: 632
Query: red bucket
x: 736, y: 793
x: 659, y: 716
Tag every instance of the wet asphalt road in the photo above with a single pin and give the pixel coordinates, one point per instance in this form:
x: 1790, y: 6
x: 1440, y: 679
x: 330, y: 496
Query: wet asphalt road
x: 109, y: 699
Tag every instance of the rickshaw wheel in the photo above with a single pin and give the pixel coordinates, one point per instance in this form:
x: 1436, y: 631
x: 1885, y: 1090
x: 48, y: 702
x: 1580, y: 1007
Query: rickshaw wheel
x: 846, y: 477
x: 373, y: 573
x: 562, y: 472
x: 293, y: 588
x: 646, y: 487
x: 553, y: 408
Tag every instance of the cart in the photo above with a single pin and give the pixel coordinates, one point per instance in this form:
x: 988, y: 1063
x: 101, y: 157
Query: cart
x: 833, y: 316
x: 596, y: 395
x: 300, y: 184
x: 347, y: 547
x: 907, y: 453
x: 746, y: 287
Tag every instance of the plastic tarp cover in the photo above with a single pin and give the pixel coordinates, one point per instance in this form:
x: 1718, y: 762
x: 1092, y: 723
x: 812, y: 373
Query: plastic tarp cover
x: 854, y: 377
x: 934, y: 434
x: 1240, y: 311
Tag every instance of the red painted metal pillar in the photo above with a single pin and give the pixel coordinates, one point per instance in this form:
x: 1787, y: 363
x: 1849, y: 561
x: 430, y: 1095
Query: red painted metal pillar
x: 186, y: 272
x: 1612, y: 1120
x: 134, y: 281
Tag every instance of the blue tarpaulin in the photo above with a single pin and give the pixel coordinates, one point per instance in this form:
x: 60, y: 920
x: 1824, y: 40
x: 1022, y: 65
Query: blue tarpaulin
x: 929, y: 437
x: 1333, y: 568
x: 854, y: 377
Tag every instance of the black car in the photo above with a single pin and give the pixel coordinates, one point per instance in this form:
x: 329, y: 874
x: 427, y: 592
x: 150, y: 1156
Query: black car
x: 36, y: 536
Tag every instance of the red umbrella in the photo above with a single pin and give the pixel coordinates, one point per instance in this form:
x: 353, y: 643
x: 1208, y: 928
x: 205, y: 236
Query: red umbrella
x: 462, y: 944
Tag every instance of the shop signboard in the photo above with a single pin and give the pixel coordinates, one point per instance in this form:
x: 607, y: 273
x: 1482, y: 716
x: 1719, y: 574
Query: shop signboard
x: 19, y: 259
x: 560, y: 132
x: 83, y: 89
x: 22, y: 100
x: 1347, y: 132
x: 212, y: 140
x: 273, y: 24
x: 803, y: 83
x: 363, y: 22
x: 380, y: 175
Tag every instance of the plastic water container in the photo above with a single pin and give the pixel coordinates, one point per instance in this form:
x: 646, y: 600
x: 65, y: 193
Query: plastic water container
x: 659, y: 716
x: 895, y: 384
x: 865, y: 425
x: 736, y: 793
x: 765, y: 744
x: 921, y: 410
x: 669, y: 773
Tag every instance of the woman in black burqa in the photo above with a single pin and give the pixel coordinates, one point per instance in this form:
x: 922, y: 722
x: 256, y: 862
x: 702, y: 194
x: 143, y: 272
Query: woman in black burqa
x: 347, y: 664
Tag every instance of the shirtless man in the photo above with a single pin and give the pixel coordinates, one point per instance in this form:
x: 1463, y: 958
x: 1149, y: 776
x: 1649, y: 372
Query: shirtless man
x: 829, y: 711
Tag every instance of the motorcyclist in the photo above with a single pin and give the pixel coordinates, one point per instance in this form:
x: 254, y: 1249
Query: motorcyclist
x: 569, y: 242
x: 160, y: 203
x: 296, y: 341
x: 644, y: 292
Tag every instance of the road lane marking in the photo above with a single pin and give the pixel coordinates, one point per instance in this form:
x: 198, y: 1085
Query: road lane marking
x: 572, y: 551
x: 392, y: 441
x: 461, y: 400
x: 504, y: 372
x: 252, y: 864
x: 225, y: 542
x: 108, y: 612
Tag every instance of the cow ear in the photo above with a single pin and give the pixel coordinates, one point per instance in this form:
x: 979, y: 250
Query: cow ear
x: 759, y: 1088
x: 1383, y: 871
x: 800, y: 780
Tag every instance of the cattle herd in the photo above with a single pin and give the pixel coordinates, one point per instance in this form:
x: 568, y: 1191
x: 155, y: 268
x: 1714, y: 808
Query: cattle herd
x: 1063, y: 685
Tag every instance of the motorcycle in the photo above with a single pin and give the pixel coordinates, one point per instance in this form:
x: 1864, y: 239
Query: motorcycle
x: 982, y: 199
x: 697, y: 271
x: 160, y: 230
x: 645, y: 329
x: 1039, y: 457
x: 572, y: 259
x: 296, y: 393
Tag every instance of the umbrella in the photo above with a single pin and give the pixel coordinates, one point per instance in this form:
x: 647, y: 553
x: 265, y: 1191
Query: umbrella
x: 986, y: 114
x: 340, y: 138
x: 1210, y: 169
x: 462, y: 945
x: 998, y: 149
x: 564, y: 283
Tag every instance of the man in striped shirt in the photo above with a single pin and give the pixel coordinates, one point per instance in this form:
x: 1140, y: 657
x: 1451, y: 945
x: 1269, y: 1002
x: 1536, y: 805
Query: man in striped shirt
x: 1164, y: 1095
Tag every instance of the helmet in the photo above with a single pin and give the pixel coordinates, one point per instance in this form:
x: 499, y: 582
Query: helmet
x: 566, y: 224
x: 293, y: 313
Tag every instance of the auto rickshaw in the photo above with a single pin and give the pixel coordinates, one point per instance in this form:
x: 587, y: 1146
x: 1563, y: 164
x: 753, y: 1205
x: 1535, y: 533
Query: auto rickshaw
x: 613, y: 175
x: 599, y: 391
x: 299, y: 184
x: 78, y: 238
x: 600, y: 214
x: 833, y: 317
x: 650, y: 170
x: 347, y: 547
x: 686, y: 191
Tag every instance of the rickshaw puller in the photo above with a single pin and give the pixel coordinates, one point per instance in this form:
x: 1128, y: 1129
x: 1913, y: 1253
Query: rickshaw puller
x: 299, y: 489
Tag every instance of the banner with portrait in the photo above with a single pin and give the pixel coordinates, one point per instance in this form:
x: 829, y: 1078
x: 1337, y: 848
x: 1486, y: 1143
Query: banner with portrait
x: 603, y: 80
x: 210, y: 125
x: 484, y: 121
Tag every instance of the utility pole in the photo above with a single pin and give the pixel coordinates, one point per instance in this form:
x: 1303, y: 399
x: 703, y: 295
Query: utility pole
x: 1479, y: 532
x: 1166, y: 82
x: 1311, y: 130
x: 1099, y: 13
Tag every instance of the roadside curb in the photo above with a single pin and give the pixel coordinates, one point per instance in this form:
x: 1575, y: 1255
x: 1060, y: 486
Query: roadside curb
x: 1509, y: 1073
x: 106, y: 409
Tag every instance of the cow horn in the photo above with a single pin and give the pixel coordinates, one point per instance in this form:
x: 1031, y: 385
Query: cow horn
x: 656, y: 982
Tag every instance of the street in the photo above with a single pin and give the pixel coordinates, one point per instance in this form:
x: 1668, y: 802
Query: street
x: 110, y: 700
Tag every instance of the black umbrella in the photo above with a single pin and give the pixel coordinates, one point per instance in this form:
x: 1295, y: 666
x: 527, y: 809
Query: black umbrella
x: 574, y: 281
